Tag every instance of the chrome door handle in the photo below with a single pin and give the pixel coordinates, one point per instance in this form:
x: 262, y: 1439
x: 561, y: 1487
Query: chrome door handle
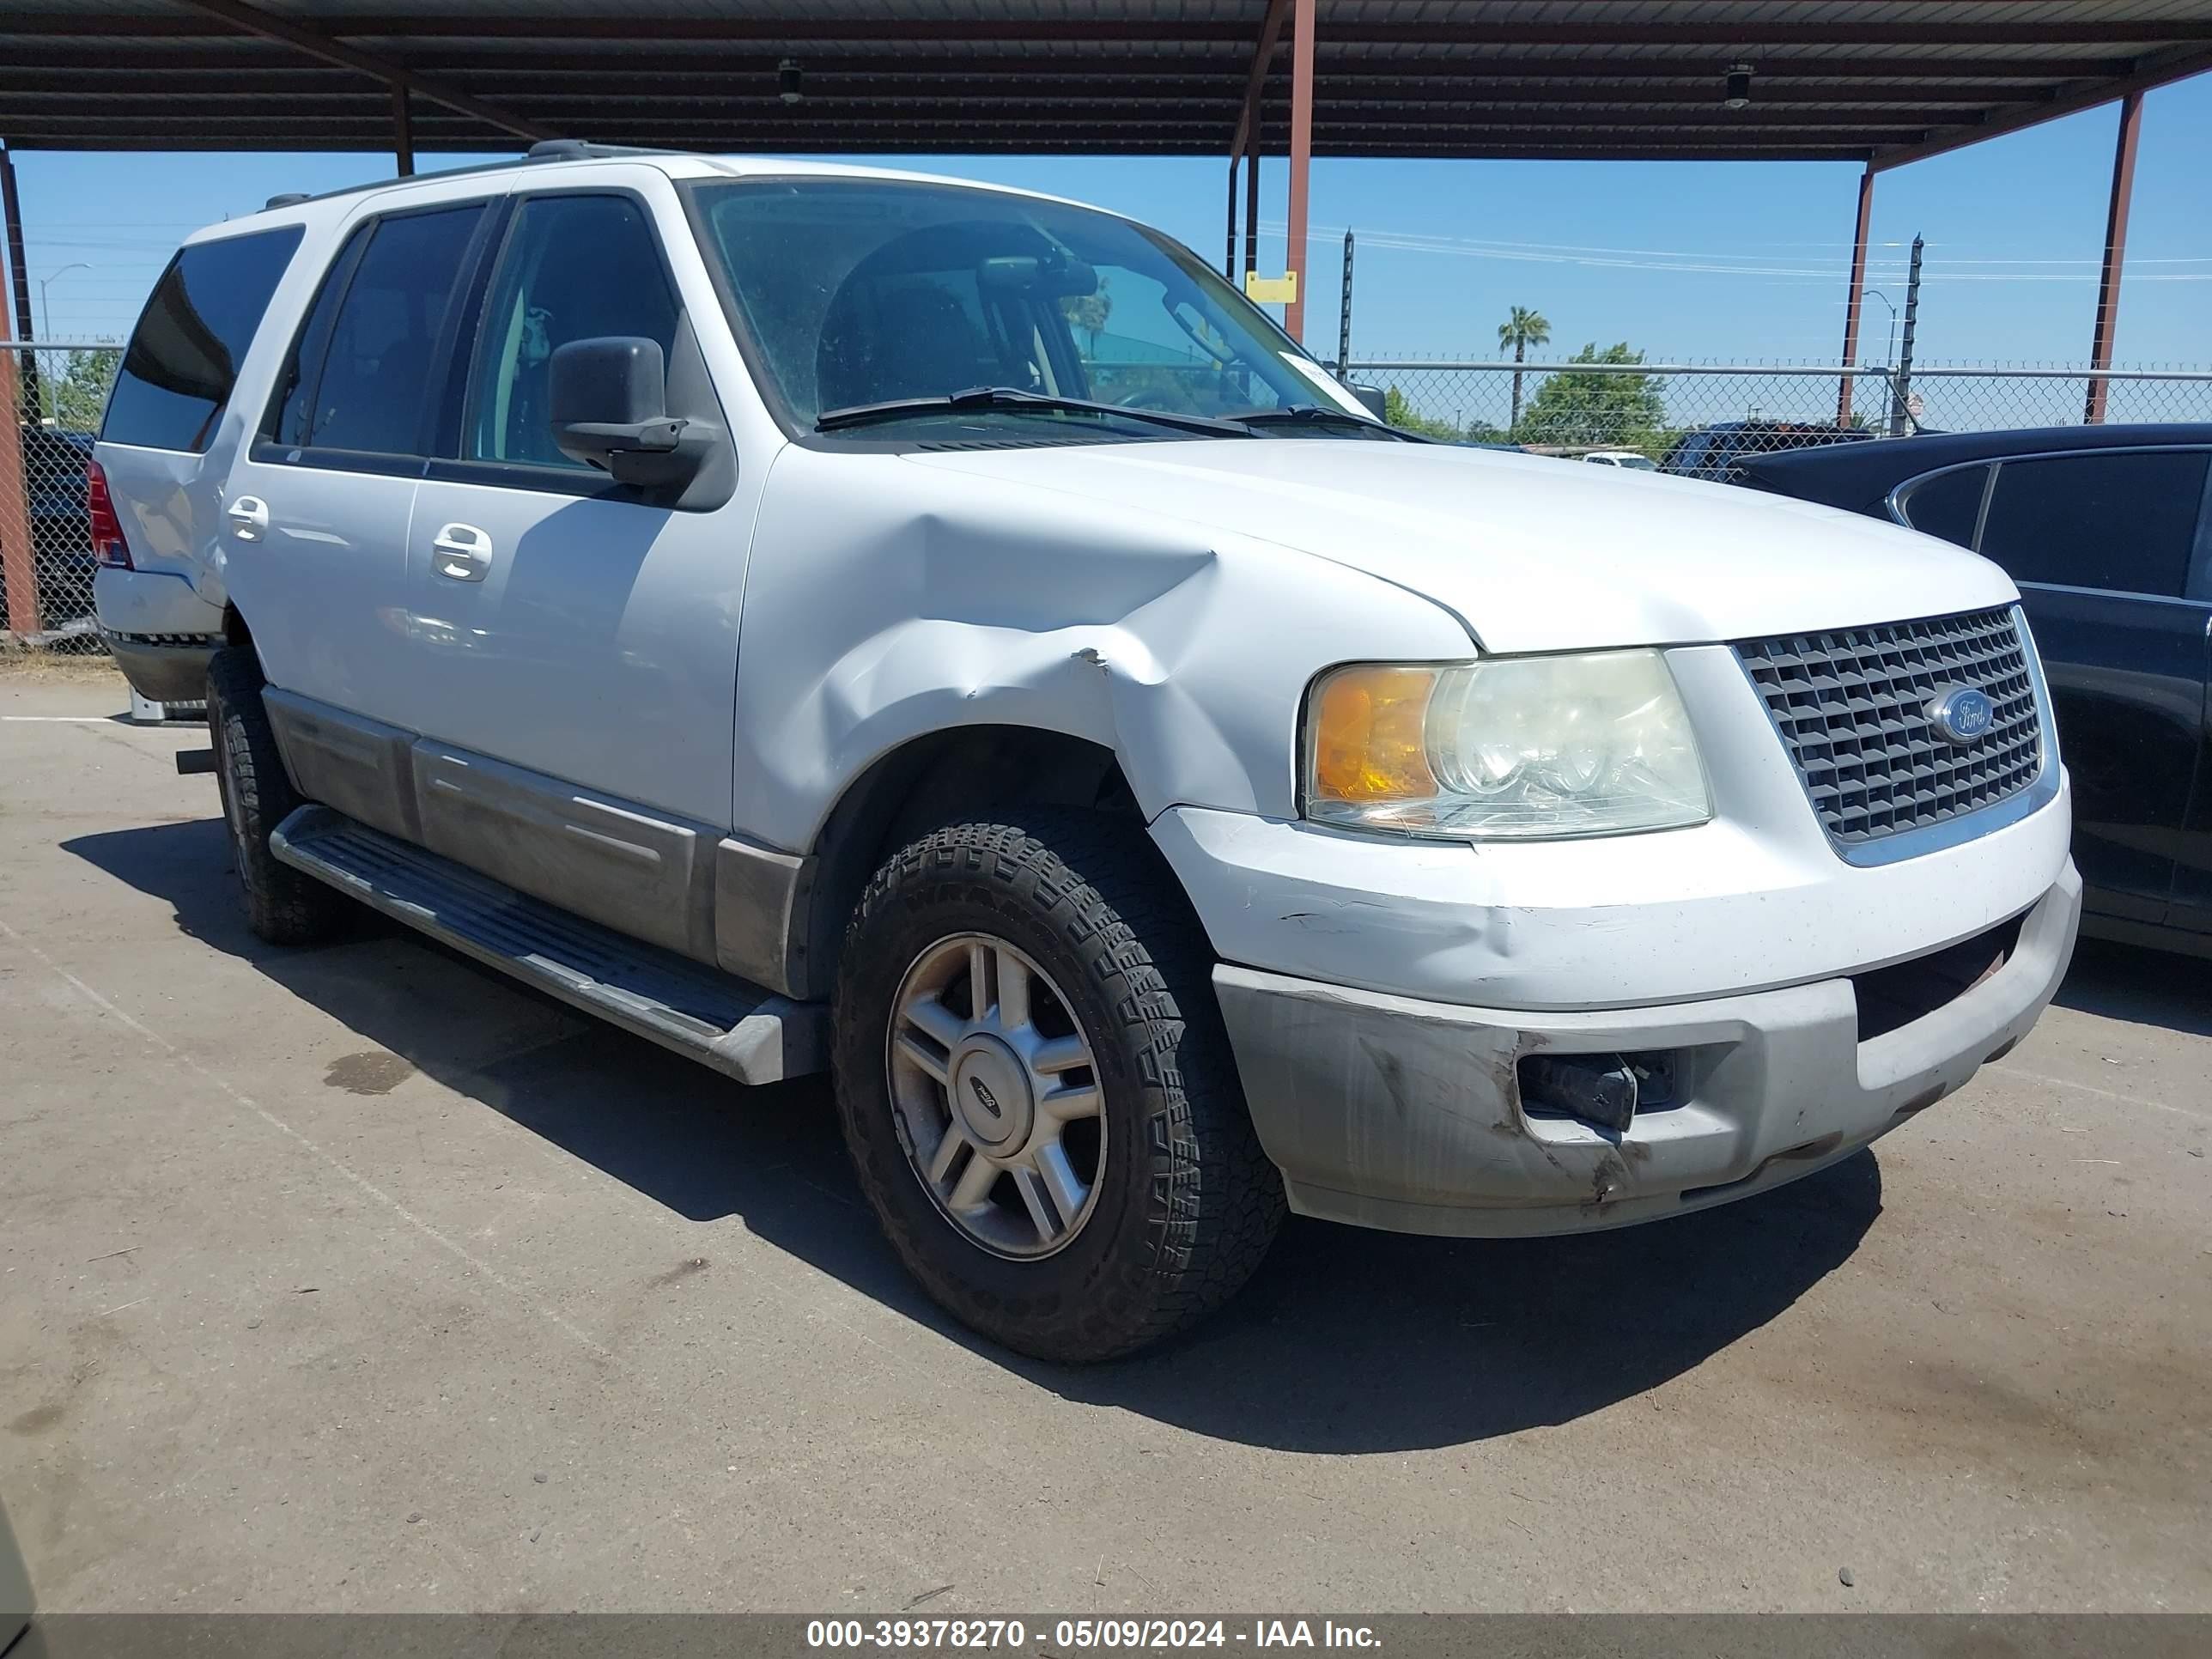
x: 461, y: 553
x: 249, y: 518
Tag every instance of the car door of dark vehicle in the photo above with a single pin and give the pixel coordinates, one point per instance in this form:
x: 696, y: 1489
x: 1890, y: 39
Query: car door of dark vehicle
x: 2192, y: 874
x: 2102, y: 544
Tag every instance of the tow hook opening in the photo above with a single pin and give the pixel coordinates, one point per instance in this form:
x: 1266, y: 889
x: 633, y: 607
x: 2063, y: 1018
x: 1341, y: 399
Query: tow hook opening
x: 1604, y: 1089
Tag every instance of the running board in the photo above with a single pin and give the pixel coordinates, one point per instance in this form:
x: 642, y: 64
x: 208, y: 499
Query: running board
x: 750, y: 1034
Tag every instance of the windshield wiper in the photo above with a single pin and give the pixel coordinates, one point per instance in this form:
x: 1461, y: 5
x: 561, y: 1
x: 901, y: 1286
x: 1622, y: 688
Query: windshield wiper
x: 1008, y: 397
x: 1318, y: 415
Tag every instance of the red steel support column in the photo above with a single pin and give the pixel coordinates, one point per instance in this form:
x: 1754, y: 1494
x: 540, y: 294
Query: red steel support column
x: 1854, y: 297
x: 2116, y: 250
x: 1246, y: 143
x: 1302, y: 97
x: 16, y: 396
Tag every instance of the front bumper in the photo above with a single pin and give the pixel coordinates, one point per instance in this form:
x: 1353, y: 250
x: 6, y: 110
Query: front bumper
x: 1393, y: 1112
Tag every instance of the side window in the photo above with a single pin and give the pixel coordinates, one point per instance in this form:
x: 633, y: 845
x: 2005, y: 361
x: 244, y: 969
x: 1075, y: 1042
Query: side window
x: 574, y: 268
x: 379, y: 365
x: 295, y: 397
x: 184, y: 355
x: 1948, y: 505
x: 2122, y: 521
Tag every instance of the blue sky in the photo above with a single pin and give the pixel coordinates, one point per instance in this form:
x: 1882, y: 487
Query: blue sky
x: 1685, y: 260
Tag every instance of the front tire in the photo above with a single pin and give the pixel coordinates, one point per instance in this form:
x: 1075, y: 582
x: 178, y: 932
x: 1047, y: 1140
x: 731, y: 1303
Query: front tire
x: 1036, y: 1090
x: 282, y: 906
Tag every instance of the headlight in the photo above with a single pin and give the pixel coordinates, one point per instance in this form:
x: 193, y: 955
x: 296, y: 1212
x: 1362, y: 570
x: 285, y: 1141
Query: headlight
x: 1511, y: 747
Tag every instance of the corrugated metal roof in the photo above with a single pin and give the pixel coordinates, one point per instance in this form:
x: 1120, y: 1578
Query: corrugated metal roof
x: 1877, y: 80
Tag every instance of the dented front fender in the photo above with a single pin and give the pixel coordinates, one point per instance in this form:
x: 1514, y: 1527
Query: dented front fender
x: 887, y: 600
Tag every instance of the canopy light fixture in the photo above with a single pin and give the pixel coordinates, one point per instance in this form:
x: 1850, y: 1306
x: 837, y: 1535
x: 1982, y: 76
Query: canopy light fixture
x: 1739, y: 86
x: 787, y: 80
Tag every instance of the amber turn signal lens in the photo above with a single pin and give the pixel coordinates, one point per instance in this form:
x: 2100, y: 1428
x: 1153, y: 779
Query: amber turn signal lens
x: 1370, y: 739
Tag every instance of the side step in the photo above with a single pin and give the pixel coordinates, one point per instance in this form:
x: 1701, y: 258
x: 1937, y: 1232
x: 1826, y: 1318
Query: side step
x: 750, y: 1034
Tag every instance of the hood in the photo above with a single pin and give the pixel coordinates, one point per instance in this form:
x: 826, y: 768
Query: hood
x: 1531, y: 554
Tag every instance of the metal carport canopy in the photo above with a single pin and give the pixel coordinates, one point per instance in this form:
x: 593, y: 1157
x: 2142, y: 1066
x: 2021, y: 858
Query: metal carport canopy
x: 1875, y: 82
x: 1878, y: 82
x: 1836, y: 80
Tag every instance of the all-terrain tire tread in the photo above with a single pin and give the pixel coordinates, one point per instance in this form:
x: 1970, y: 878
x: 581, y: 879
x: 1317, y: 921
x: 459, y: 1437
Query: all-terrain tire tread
x: 1100, y: 882
x: 282, y: 905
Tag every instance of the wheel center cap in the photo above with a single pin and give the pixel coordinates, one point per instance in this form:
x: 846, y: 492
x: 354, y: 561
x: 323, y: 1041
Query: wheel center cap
x: 990, y: 1091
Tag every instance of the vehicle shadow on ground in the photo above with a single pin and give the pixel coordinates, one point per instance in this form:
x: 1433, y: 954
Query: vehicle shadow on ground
x: 1346, y: 1341
x: 2146, y: 987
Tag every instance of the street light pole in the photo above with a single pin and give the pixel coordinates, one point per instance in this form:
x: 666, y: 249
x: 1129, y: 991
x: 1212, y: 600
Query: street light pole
x: 46, y: 311
x: 1889, y: 360
x: 1876, y: 294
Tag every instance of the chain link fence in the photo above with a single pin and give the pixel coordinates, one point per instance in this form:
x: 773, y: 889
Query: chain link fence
x: 54, y: 395
x: 1699, y: 419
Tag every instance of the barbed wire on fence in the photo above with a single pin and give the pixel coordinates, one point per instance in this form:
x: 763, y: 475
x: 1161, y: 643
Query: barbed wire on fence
x: 1698, y: 418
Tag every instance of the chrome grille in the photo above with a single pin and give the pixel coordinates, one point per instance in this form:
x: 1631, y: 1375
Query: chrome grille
x: 1851, y: 706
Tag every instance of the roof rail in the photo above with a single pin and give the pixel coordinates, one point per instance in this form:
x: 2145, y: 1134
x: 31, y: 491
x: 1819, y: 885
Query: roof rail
x: 549, y: 149
x: 579, y: 149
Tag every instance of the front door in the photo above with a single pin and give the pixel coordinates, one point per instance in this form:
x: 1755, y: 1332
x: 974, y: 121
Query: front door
x: 2192, y: 873
x: 556, y: 625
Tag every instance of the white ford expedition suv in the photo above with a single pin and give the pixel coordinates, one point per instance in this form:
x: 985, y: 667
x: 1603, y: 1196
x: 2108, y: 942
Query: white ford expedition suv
x: 827, y: 619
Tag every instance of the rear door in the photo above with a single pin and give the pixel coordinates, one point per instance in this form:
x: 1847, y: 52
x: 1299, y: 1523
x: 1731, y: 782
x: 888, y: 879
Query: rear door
x: 170, y: 432
x: 2101, y: 543
x: 317, y: 509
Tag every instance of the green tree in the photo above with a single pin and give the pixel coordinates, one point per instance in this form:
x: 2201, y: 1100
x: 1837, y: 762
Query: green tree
x: 1523, y: 326
x: 1398, y: 412
x: 1625, y: 410
x: 75, y: 390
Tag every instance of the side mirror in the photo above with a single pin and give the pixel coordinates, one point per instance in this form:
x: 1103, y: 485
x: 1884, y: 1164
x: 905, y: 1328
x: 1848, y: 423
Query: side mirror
x: 1373, y: 399
x: 609, y: 397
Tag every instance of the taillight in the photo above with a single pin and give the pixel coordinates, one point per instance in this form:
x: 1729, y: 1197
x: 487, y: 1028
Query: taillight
x: 108, y: 546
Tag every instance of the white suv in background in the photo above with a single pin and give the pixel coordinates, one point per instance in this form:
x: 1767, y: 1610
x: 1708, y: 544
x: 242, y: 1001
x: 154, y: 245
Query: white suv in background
x: 825, y: 618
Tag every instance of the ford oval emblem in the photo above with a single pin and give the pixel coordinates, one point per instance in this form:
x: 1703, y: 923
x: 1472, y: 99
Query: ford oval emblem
x: 984, y: 1096
x: 1961, y: 714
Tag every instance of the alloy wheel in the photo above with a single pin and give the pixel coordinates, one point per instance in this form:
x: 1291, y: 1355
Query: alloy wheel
x: 997, y: 1095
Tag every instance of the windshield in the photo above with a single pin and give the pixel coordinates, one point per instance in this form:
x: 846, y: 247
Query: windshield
x: 865, y: 292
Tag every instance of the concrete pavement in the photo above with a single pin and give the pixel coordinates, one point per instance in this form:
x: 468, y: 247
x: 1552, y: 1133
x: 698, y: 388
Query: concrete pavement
x: 357, y: 1277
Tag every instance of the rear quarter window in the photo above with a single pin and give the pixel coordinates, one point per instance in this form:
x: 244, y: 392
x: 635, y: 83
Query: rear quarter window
x: 182, y: 363
x: 1948, y: 505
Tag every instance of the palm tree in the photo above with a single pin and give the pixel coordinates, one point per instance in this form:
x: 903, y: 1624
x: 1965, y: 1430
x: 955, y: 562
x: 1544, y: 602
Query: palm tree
x: 1522, y: 329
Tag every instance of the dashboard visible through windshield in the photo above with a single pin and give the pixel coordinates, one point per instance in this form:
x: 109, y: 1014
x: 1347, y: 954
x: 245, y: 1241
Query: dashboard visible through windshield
x: 875, y: 303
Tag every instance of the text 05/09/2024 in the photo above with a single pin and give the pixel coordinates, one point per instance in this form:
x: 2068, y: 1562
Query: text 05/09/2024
x: 1130, y: 1633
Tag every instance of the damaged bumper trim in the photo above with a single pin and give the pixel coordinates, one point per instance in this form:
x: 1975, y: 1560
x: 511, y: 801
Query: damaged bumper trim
x: 163, y: 668
x: 1393, y: 1112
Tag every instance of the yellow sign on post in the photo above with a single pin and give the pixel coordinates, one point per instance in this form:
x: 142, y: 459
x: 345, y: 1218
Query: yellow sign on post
x: 1281, y: 290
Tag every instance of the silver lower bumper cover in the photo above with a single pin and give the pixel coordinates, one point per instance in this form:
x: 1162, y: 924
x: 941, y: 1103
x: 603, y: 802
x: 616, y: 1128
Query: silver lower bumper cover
x: 167, y: 668
x: 1392, y: 1112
